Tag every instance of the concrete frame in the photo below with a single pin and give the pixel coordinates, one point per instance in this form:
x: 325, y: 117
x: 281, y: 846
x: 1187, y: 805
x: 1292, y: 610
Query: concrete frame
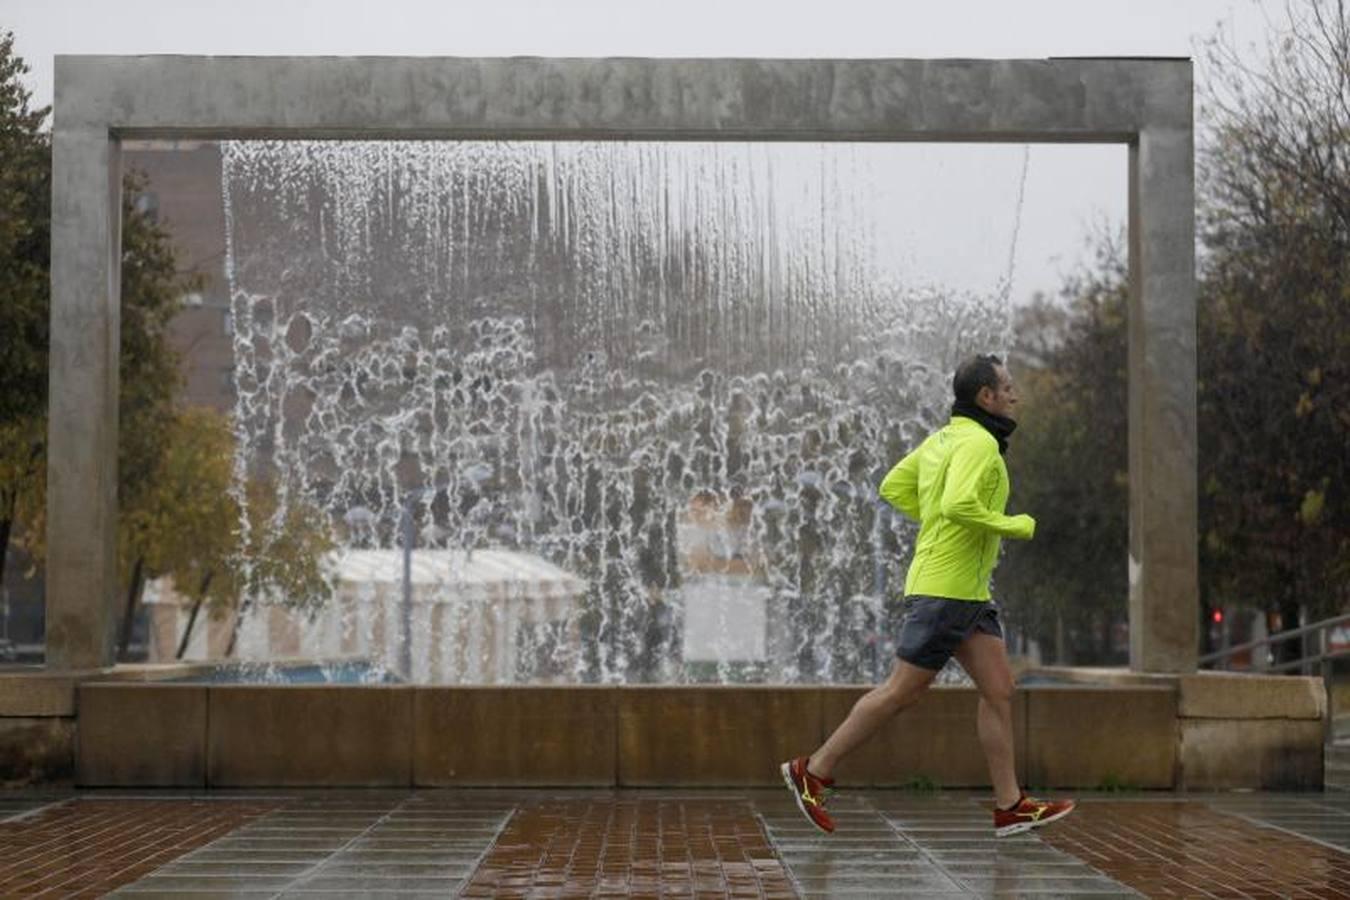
x: 100, y: 100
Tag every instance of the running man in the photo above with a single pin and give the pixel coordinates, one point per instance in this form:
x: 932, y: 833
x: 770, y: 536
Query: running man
x: 956, y: 486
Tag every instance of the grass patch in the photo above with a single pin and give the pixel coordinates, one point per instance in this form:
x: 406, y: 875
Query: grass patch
x: 1114, y: 784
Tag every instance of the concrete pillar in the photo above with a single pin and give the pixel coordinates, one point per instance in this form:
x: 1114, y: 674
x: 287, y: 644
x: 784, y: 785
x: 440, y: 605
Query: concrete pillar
x: 1164, y: 555
x: 83, y: 388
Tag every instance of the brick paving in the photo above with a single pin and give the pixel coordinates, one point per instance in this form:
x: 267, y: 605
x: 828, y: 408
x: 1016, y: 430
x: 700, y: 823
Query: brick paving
x: 1184, y: 848
x: 342, y: 844
x: 88, y: 847
x: 632, y: 846
x: 663, y: 843
x: 1324, y: 818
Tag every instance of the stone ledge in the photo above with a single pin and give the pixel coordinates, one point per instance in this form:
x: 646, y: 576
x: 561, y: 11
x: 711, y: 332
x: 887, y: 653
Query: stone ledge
x: 37, y: 750
x: 1081, y: 735
x: 38, y: 694
x: 1270, y: 754
x: 1096, y: 675
x: 935, y: 740
x: 708, y: 735
x: 497, y: 736
x: 308, y: 736
x: 133, y: 737
x: 1230, y: 695
x: 396, y: 736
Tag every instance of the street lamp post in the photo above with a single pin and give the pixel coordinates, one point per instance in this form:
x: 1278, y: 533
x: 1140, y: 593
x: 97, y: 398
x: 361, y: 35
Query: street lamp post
x: 408, y: 535
x: 361, y: 516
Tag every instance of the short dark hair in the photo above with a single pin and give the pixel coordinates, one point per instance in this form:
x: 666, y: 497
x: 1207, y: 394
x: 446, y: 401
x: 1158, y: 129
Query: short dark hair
x: 973, y: 374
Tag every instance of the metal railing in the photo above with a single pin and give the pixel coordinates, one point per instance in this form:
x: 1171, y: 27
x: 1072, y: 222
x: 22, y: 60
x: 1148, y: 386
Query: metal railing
x: 1315, y: 660
x: 1321, y: 655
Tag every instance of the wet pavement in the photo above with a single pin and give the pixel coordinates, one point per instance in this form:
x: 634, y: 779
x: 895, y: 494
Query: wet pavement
x: 751, y: 843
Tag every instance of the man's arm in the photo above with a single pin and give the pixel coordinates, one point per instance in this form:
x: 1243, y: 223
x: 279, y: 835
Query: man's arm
x: 961, y: 501
x: 900, y: 487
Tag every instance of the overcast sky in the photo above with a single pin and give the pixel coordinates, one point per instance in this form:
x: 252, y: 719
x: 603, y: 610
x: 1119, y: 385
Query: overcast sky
x: 956, y: 204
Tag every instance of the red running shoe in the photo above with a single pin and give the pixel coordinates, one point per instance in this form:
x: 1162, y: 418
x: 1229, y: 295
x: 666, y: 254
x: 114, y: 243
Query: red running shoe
x: 809, y: 792
x: 1029, y: 813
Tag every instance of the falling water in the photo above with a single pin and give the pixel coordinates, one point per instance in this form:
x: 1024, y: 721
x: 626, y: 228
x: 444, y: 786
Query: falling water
x: 634, y: 398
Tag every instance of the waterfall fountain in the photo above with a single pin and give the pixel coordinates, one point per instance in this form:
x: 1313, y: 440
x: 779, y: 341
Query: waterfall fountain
x: 668, y: 376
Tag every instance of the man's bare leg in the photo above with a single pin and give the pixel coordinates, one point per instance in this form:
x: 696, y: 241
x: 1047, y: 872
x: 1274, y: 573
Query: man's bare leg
x: 985, y: 659
x: 906, y: 683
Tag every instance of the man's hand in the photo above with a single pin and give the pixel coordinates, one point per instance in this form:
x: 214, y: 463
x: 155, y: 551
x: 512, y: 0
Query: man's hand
x: 1025, y: 525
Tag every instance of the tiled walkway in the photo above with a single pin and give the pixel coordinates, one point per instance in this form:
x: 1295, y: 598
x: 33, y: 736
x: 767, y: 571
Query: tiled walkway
x: 1175, y: 848
x: 341, y: 846
x: 87, y: 847
x: 632, y: 845
x: 662, y: 844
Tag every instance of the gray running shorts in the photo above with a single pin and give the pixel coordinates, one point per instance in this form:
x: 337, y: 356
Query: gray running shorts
x: 935, y: 626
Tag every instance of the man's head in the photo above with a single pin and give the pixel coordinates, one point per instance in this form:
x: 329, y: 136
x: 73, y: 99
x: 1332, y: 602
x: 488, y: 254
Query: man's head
x: 984, y: 381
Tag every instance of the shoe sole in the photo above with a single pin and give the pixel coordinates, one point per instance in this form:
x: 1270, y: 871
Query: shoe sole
x: 1020, y: 827
x: 786, y: 769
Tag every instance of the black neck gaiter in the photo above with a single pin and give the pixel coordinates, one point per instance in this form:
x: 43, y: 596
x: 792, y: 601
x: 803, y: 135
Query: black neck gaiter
x: 999, y: 426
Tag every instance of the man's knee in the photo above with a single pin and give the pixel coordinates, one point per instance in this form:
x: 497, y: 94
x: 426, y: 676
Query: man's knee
x: 896, y: 697
x: 999, y: 693
x: 906, y: 684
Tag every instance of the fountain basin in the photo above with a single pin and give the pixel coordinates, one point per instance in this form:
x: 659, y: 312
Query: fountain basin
x: 1205, y: 731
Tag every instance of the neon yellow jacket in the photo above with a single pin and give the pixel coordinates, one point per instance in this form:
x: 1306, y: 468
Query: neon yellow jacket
x: 956, y: 485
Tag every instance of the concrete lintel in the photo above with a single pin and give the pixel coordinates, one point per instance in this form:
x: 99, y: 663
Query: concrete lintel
x: 718, y: 99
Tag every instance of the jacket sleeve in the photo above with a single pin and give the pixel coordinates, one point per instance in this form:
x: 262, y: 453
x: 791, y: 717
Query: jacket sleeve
x: 961, y: 495
x: 900, y: 487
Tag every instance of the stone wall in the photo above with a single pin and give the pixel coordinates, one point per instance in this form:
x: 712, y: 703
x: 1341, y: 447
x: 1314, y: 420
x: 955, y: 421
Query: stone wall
x: 37, y: 728
x: 1111, y: 730
x: 1191, y: 732
x: 1250, y: 731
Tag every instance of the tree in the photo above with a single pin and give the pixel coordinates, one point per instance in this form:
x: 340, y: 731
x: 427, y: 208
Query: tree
x: 150, y: 381
x: 1068, y: 463
x: 1275, y: 319
x: 25, y: 242
x: 1274, y: 360
x: 176, y: 515
x: 151, y: 288
x: 191, y: 523
x: 188, y: 521
x: 280, y: 555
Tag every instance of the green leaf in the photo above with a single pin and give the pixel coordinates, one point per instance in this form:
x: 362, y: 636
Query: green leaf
x: 1310, y: 510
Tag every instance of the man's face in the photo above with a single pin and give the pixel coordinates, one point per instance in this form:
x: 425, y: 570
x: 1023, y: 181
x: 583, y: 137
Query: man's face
x: 1001, y: 400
